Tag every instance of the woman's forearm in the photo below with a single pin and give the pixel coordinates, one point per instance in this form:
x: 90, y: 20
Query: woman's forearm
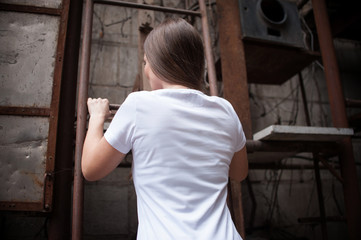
x: 92, y: 139
x: 99, y: 157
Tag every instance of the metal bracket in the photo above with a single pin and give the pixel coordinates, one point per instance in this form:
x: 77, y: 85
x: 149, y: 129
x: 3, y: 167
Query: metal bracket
x: 48, y: 191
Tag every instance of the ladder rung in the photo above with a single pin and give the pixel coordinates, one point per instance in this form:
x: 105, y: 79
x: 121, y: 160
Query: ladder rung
x: 114, y: 106
x: 148, y: 7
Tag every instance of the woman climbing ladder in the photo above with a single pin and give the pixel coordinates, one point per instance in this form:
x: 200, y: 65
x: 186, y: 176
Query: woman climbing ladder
x: 182, y: 141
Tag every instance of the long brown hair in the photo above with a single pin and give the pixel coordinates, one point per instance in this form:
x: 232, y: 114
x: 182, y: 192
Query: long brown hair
x: 174, y: 50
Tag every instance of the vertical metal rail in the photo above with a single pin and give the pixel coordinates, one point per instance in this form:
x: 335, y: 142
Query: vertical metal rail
x: 59, y: 224
x: 337, y: 103
x: 78, y: 195
x: 304, y: 99
x: 208, y: 50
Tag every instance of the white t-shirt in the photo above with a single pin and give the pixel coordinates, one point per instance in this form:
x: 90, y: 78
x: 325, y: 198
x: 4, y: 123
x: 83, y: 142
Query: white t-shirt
x: 182, y: 142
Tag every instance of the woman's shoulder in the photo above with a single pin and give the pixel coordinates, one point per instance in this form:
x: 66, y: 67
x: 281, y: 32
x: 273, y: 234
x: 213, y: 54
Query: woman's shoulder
x: 135, y: 96
x: 138, y: 94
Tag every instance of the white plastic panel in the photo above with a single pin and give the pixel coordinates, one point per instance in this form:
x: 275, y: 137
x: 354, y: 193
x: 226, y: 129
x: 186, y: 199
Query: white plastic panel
x: 23, y: 147
x: 27, y: 55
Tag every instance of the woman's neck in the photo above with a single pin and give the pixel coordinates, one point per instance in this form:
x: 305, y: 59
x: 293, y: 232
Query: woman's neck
x: 166, y: 85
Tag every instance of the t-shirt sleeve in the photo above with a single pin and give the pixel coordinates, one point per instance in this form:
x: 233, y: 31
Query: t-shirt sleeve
x: 240, y: 138
x: 121, y: 130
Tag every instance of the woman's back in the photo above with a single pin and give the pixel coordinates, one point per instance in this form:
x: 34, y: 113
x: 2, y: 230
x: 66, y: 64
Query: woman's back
x: 182, y: 143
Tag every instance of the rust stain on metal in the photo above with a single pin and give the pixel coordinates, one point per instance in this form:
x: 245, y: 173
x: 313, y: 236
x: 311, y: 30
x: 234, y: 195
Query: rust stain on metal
x: 30, y: 9
x: 34, y: 177
x: 24, y: 111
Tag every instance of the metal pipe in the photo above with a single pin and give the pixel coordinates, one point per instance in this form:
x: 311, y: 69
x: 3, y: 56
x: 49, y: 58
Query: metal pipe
x: 208, y: 50
x: 78, y: 196
x: 320, y: 196
x: 304, y: 99
x: 337, y: 104
x: 336, y: 97
x: 148, y: 7
x: 353, y: 103
x: 114, y: 106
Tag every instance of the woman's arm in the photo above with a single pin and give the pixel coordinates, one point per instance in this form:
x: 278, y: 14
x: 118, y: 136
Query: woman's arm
x: 238, y: 169
x: 99, y: 158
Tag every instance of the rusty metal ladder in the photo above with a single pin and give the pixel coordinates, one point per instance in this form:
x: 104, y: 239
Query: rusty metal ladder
x: 78, y: 190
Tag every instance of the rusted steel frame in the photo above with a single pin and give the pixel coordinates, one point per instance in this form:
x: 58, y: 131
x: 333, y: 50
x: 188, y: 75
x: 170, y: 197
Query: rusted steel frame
x: 234, y: 71
x: 25, y: 111
x: 51, y: 113
x: 148, y: 7
x: 54, y: 107
x: 294, y: 146
x: 321, y: 203
x: 208, y: 50
x: 339, y: 118
x: 78, y: 189
x: 334, y: 86
x: 353, y: 103
x: 59, y: 222
x: 234, y: 74
x: 30, y: 9
x: 236, y: 205
x: 21, y: 206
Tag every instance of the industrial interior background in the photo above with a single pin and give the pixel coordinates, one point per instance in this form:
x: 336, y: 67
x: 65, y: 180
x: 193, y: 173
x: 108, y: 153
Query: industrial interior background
x: 282, y: 79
